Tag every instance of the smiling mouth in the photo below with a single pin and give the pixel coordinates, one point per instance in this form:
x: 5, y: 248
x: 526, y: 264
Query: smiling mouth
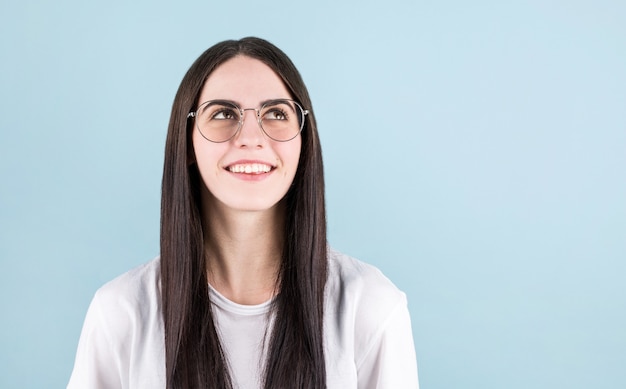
x: 252, y: 168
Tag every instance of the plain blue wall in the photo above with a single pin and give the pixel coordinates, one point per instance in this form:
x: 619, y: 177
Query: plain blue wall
x: 474, y: 151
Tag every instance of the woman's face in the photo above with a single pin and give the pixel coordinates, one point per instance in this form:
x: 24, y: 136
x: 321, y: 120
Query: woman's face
x: 249, y: 172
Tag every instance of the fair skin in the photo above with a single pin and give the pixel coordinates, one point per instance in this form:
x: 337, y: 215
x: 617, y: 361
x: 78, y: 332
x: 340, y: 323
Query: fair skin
x: 242, y: 211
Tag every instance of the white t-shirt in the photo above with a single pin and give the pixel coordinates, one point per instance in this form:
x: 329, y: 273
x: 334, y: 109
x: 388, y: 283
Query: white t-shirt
x: 367, y: 332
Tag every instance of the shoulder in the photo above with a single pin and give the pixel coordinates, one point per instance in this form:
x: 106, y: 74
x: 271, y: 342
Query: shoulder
x: 361, y: 297
x: 132, y: 287
x: 121, y: 340
x: 129, y: 299
x: 368, y: 326
x: 362, y: 281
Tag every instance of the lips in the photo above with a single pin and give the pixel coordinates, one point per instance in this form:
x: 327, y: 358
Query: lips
x: 249, y: 168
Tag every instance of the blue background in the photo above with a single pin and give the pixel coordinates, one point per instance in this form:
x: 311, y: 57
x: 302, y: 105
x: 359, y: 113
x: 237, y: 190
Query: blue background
x: 474, y: 151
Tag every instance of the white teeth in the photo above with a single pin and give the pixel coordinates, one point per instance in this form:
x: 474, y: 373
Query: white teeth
x: 255, y: 168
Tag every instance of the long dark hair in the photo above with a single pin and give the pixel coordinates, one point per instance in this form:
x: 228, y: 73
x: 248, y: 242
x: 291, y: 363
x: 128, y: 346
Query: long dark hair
x: 193, y: 353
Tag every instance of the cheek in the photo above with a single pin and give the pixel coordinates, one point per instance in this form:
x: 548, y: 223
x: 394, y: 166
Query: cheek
x: 206, y: 154
x: 292, y: 156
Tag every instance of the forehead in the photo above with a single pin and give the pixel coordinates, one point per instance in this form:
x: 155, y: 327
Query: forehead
x: 244, y: 80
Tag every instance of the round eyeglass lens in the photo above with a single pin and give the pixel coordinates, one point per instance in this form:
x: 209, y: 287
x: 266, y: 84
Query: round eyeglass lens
x: 281, y: 120
x: 218, y: 121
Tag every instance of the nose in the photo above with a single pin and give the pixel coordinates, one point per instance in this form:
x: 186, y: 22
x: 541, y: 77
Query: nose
x: 250, y: 134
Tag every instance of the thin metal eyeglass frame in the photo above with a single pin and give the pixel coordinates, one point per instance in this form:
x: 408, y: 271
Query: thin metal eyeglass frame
x: 242, y: 111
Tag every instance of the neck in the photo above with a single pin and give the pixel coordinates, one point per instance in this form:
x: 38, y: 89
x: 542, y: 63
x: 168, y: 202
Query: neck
x: 244, y: 251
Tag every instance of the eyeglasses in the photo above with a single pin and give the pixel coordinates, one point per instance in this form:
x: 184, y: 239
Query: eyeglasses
x: 220, y: 120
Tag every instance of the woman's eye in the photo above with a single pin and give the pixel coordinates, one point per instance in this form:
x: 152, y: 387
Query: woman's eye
x: 224, y: 114
x: 275, y: 114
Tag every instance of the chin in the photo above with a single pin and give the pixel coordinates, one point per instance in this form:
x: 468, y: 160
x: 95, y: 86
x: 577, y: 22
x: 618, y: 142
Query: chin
x: 252, y: 206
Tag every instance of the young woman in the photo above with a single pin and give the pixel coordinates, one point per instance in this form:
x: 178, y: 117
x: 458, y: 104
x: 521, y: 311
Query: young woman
x: 246, y: 292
